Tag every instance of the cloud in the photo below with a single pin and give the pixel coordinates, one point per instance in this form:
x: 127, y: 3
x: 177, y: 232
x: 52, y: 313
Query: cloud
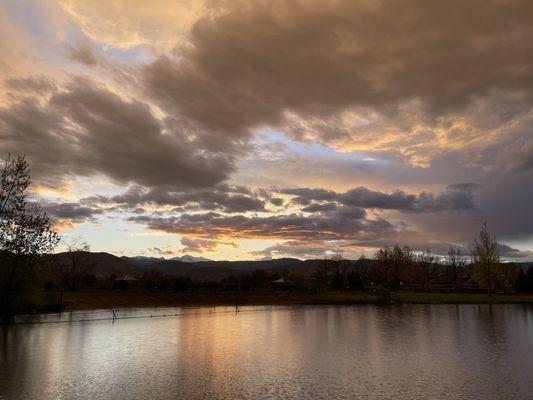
x: 364, y: 197
x: 86, y: 129
x: 509, y: 253
x: 277, y: 201
x: 83, y: 53
x: 34, y: 84
x: 125, y: 25
x: 305, y: 195
x: 316, y: 207
x: 298, y: 249
x: 345, y: 223
x: 67, y: 214
x: 159, y: 251
x: 196, y: 245
x: 364, y: 113
x: 229, y: 199
x: 417, y: 77
x: 454, y: 197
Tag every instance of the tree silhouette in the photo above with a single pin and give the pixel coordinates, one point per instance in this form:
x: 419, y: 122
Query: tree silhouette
x: 456, y: 262
x: 425, y: 260
x: 336, y: 281
x: 354, y: 281
x: 391, y: 263
x: 25, y: 232
x: 485, y: 254
x: 521, y: 283
x: 75, y: 270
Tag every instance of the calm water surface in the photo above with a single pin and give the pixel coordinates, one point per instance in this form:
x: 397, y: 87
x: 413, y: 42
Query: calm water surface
x: 404, y: 352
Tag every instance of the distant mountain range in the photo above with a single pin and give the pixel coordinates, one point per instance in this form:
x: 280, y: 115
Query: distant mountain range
x: 198, y: 268
x: 144, y: 260
x: 188, y: 258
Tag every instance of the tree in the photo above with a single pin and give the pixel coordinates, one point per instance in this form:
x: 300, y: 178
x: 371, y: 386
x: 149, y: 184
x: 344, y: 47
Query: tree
x: 328, y: 268
x: 337, y: 281
x: 25, y: 233
x: 354, y: 281
x: 391, y: 263
x: 259, y: 278
x: 485, y: 254
x: 426, y: 260
x: 524, y: 281
x: 456, y: 262
x: 521, y: 283
x: 75, y: 271
x: 383, y: 261
x: 338, y: 262
x: 529, y: 280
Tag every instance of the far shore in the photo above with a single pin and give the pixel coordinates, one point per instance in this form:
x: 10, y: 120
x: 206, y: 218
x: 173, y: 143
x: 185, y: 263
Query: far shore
x: 77, y: 301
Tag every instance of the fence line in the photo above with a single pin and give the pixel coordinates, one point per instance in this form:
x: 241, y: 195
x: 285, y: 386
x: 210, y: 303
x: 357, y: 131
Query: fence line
x: 235, y: 310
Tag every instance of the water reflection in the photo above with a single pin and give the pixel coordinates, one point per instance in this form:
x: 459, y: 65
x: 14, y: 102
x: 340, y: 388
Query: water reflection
x: 407, y: 352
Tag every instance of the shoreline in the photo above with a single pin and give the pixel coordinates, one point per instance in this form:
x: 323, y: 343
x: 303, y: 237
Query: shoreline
x: 84, y: 301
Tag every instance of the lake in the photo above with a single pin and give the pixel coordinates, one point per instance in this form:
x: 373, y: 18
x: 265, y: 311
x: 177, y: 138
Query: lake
x: 322, y: 352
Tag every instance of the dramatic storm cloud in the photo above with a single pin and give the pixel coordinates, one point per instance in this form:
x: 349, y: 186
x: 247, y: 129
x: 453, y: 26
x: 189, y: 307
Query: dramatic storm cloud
x: 87, y: 129
x: 272, y: 128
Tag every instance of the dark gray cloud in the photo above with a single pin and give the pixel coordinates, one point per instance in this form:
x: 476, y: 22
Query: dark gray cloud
x: 73, y: 212
x: 229, y: 199
x: 343, y: 223
x: 363, y: 197
x: 505, y: 202
x: 277, y: 201
x: 317, y: 207
x: 86, y: 129
x: 454, y: 197
x: 305, y: 195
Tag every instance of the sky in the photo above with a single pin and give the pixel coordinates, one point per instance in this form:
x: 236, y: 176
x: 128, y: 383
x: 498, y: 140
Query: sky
x: 266, y: 129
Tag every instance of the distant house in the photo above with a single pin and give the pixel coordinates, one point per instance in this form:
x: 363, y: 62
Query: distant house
x: 126, y: 282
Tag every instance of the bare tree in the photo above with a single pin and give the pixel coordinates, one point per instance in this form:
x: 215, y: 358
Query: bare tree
x: 75, y: 270
x: 337, y: 260
x: 391, y: 263
x: 426, y: 261
x: 485, y: 254
x: 456, y: 262
x: 25, y: 230
x: 383, y: 259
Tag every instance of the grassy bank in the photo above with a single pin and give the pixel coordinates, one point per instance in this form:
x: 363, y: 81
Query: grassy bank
x: 461, y: 298
x: 111, y: 299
